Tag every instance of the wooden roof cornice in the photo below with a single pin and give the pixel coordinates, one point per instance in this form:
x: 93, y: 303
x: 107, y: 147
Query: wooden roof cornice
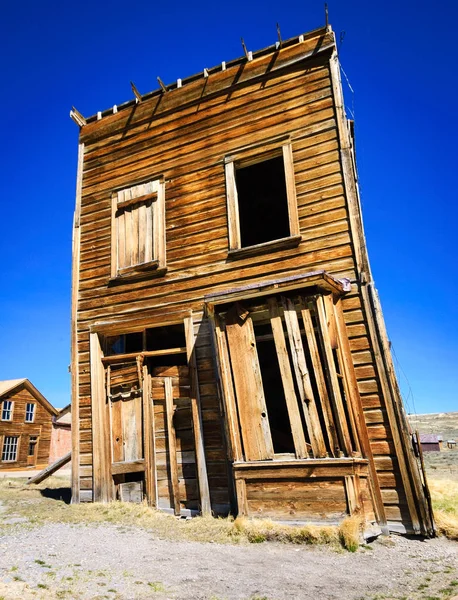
x: 205, y: 85
x: 12, y: 385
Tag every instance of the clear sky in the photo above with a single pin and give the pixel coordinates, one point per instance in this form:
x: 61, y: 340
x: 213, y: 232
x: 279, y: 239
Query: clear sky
x: 400, y: 61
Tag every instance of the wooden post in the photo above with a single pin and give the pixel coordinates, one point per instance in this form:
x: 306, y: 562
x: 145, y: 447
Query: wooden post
x: 169, y: 411
x: 101, y: 472
x: 353, y: 393
x: 228, y: 393
x: 196, y: 412
x: 75, y: 481
x: 148, y: 439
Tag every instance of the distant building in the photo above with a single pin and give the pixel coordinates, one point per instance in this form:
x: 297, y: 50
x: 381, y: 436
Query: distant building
x: 429, y: 442
x: 61, y: 438
x: 451, y: 444
x: 26, y: 423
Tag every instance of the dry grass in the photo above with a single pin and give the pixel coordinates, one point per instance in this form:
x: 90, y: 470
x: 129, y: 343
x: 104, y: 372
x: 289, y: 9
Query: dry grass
x: 41, y: 504
x: 444, y: 494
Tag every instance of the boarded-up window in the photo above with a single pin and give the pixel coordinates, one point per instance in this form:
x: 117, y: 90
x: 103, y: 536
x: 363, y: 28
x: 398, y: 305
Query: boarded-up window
x: 138, y: 230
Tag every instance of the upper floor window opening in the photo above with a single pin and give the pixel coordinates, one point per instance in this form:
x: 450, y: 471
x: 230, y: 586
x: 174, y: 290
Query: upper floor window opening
x: 261, y: 199
x: 30, y: 412
x: 7, y: 410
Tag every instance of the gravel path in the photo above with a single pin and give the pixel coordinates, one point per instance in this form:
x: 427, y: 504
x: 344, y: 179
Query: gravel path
x: 112, y: 561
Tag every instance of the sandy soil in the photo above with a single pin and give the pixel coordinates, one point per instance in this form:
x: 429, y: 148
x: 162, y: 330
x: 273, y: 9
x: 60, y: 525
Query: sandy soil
x: 112, y: 561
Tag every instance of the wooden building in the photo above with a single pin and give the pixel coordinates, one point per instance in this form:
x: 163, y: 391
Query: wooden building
x: 61, y: 442
x: 25, y: 425
x: 429, y: 442
x: 228, y: 347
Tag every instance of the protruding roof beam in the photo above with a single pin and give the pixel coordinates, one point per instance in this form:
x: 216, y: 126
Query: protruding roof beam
x: 162, y: 84
x: 76, y: 116
x: 280, y: 42
x: 137, y: 94
x: 249, y: 55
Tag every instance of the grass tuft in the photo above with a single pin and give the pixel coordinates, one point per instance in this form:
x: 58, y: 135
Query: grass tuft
x: 350, y: 531
x: 444, y: 494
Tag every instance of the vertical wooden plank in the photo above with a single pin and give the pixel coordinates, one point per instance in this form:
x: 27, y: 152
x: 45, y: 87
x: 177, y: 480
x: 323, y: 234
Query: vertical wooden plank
x: 290, y: 189
x: 110, y: 412
x: 114, y: 235
x: 202, y: 476
x: 254, y: 423
x: 326, y: 409
x: 149, y: 231
x: 304, y: 384
x: 169, y: 409
x: 352, y: 498
x: 117, y: 433
x: 287, y: 380
x: 341, y: 420
x: 148, y: 439
x: 155, y: 497
x: 230, y: 405
x: 130, y: 427
x: 141, y: 232
x: 128, y: 241
x: 101, y: 456
x: 232, y: 207
x: 242, y: 500
x: 121, y: 231
x: 331, y: 320
x: 135, y: 234
x: 353, y: 393
x: 75, y: 479
x: 413, y: 496
x: 159, y: 244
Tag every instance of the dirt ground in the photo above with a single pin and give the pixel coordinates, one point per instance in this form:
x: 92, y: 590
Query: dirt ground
x: 47, y: 559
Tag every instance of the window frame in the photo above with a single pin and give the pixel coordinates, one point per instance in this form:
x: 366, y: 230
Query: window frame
x: 8, y: 410
x: 244, y: 158
x: 153, y: 192
x: 33, y: 412
x: 16, y: 448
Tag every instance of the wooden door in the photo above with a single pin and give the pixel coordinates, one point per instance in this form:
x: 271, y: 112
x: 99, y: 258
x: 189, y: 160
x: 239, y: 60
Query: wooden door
x: 32, y: 450
x: 124, y: 385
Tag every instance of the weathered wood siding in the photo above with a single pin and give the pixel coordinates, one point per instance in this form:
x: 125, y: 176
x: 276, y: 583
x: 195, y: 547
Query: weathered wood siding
x: 184, y: 135
x: 41, y: 427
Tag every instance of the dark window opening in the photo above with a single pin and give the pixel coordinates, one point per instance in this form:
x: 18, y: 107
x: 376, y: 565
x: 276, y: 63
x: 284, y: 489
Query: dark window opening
x: 124, y: 344
x: 168, y: 360
x: 277, y: 412
x: 162, y: 338
x: 263, y: 202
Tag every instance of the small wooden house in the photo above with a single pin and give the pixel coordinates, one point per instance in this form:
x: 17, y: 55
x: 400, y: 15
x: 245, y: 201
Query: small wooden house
x: 25, y: 425
x: 228, y: 348
x: 429, y: 442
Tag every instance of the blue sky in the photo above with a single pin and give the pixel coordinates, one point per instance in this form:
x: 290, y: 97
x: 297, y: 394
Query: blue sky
x: 399, y: 59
